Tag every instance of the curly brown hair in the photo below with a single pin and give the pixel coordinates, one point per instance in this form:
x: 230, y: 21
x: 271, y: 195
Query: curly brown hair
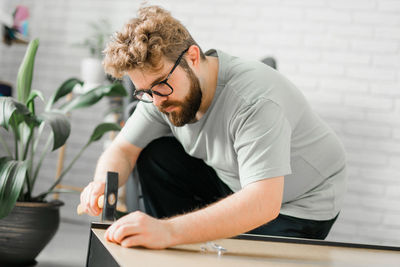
x: 145, y: 40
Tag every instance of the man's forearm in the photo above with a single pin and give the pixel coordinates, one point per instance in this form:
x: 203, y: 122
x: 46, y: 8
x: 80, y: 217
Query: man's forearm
x: 247, y: 209
x: 110, y: 161
x: 117, y: 158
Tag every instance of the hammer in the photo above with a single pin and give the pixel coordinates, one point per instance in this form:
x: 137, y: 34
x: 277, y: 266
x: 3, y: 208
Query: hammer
x: 108, y: 201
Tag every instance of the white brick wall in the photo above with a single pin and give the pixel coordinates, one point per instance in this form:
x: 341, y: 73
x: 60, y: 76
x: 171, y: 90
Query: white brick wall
x: 344, y: 55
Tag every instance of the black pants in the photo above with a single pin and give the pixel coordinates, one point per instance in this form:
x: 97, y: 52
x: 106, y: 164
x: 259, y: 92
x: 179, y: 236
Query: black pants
x: 175, y: 183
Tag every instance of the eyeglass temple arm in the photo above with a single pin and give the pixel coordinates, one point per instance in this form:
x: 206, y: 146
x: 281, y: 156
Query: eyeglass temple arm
x: 176, y: 63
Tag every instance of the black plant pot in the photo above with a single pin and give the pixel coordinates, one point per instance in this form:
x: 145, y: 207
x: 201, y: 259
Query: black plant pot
x: 26, y: 231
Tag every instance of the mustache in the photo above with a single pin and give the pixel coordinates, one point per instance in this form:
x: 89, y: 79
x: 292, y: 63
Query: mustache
x: 168, y: 104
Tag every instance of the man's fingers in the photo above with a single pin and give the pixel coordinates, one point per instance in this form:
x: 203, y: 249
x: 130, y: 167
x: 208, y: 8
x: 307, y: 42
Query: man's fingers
x: 139, y: 229
x: 132, y: 241
x: 84, y: 205
x: 84, y: 196
x: 110, y: 233
x: 89, y: 198
x: 93, y: 206
x: 127, y: 225
x: 124, y: 231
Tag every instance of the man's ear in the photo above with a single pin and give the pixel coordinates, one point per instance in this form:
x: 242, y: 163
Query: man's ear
x: 193, y: 56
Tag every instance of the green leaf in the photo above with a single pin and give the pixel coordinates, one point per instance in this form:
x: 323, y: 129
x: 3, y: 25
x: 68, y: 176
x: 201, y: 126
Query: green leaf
x: 24, y: 130
x: 33, y: 95
x: 30, y: 101
x: 63, y: 90
x: 12, y: 176
x: 60, y: 126
x: 117, y: 89
x: 12, y: 109
x: 93, y: 96
x: 101, y: 129
x: 5, y: 170
x: 4, y: 160
x: 25, y: 72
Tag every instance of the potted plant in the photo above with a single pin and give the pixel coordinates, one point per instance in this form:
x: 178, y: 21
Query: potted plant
x: 91, y: 68
x: 27, y: 221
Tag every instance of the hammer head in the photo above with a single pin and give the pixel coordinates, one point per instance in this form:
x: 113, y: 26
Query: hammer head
x: 110, y: 197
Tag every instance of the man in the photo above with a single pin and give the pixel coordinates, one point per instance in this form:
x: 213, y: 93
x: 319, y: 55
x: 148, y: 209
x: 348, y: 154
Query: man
x: 248, y: 153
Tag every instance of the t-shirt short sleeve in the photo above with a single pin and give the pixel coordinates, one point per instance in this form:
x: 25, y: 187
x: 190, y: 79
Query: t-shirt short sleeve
x: 144, y: 125
x: 261, y: 134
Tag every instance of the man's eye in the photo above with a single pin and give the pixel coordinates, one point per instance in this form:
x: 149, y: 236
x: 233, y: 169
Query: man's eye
x: 162, y: 88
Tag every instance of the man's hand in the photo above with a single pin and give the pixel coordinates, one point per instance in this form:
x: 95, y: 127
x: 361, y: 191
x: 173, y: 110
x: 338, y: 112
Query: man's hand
x: 119, y: 157
x: 140, y: 229
x: 89, y: 197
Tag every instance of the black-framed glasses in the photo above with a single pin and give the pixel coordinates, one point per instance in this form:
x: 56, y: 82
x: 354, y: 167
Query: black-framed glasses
x: 162, y: 88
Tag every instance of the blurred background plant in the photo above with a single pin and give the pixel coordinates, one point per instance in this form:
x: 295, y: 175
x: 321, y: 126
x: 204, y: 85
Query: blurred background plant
x: 92, y: 73
x: 99, y: 33
x: 19, y: 170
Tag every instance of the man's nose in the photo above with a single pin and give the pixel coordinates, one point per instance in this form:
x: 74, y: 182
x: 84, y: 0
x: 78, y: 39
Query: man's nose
x: 158, y: 100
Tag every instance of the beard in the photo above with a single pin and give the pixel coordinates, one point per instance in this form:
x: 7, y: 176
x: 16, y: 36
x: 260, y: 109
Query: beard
x: 187, y: 109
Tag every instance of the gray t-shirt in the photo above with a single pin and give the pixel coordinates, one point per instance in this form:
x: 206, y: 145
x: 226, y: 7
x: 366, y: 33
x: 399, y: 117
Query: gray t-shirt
x: 258, y: 126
